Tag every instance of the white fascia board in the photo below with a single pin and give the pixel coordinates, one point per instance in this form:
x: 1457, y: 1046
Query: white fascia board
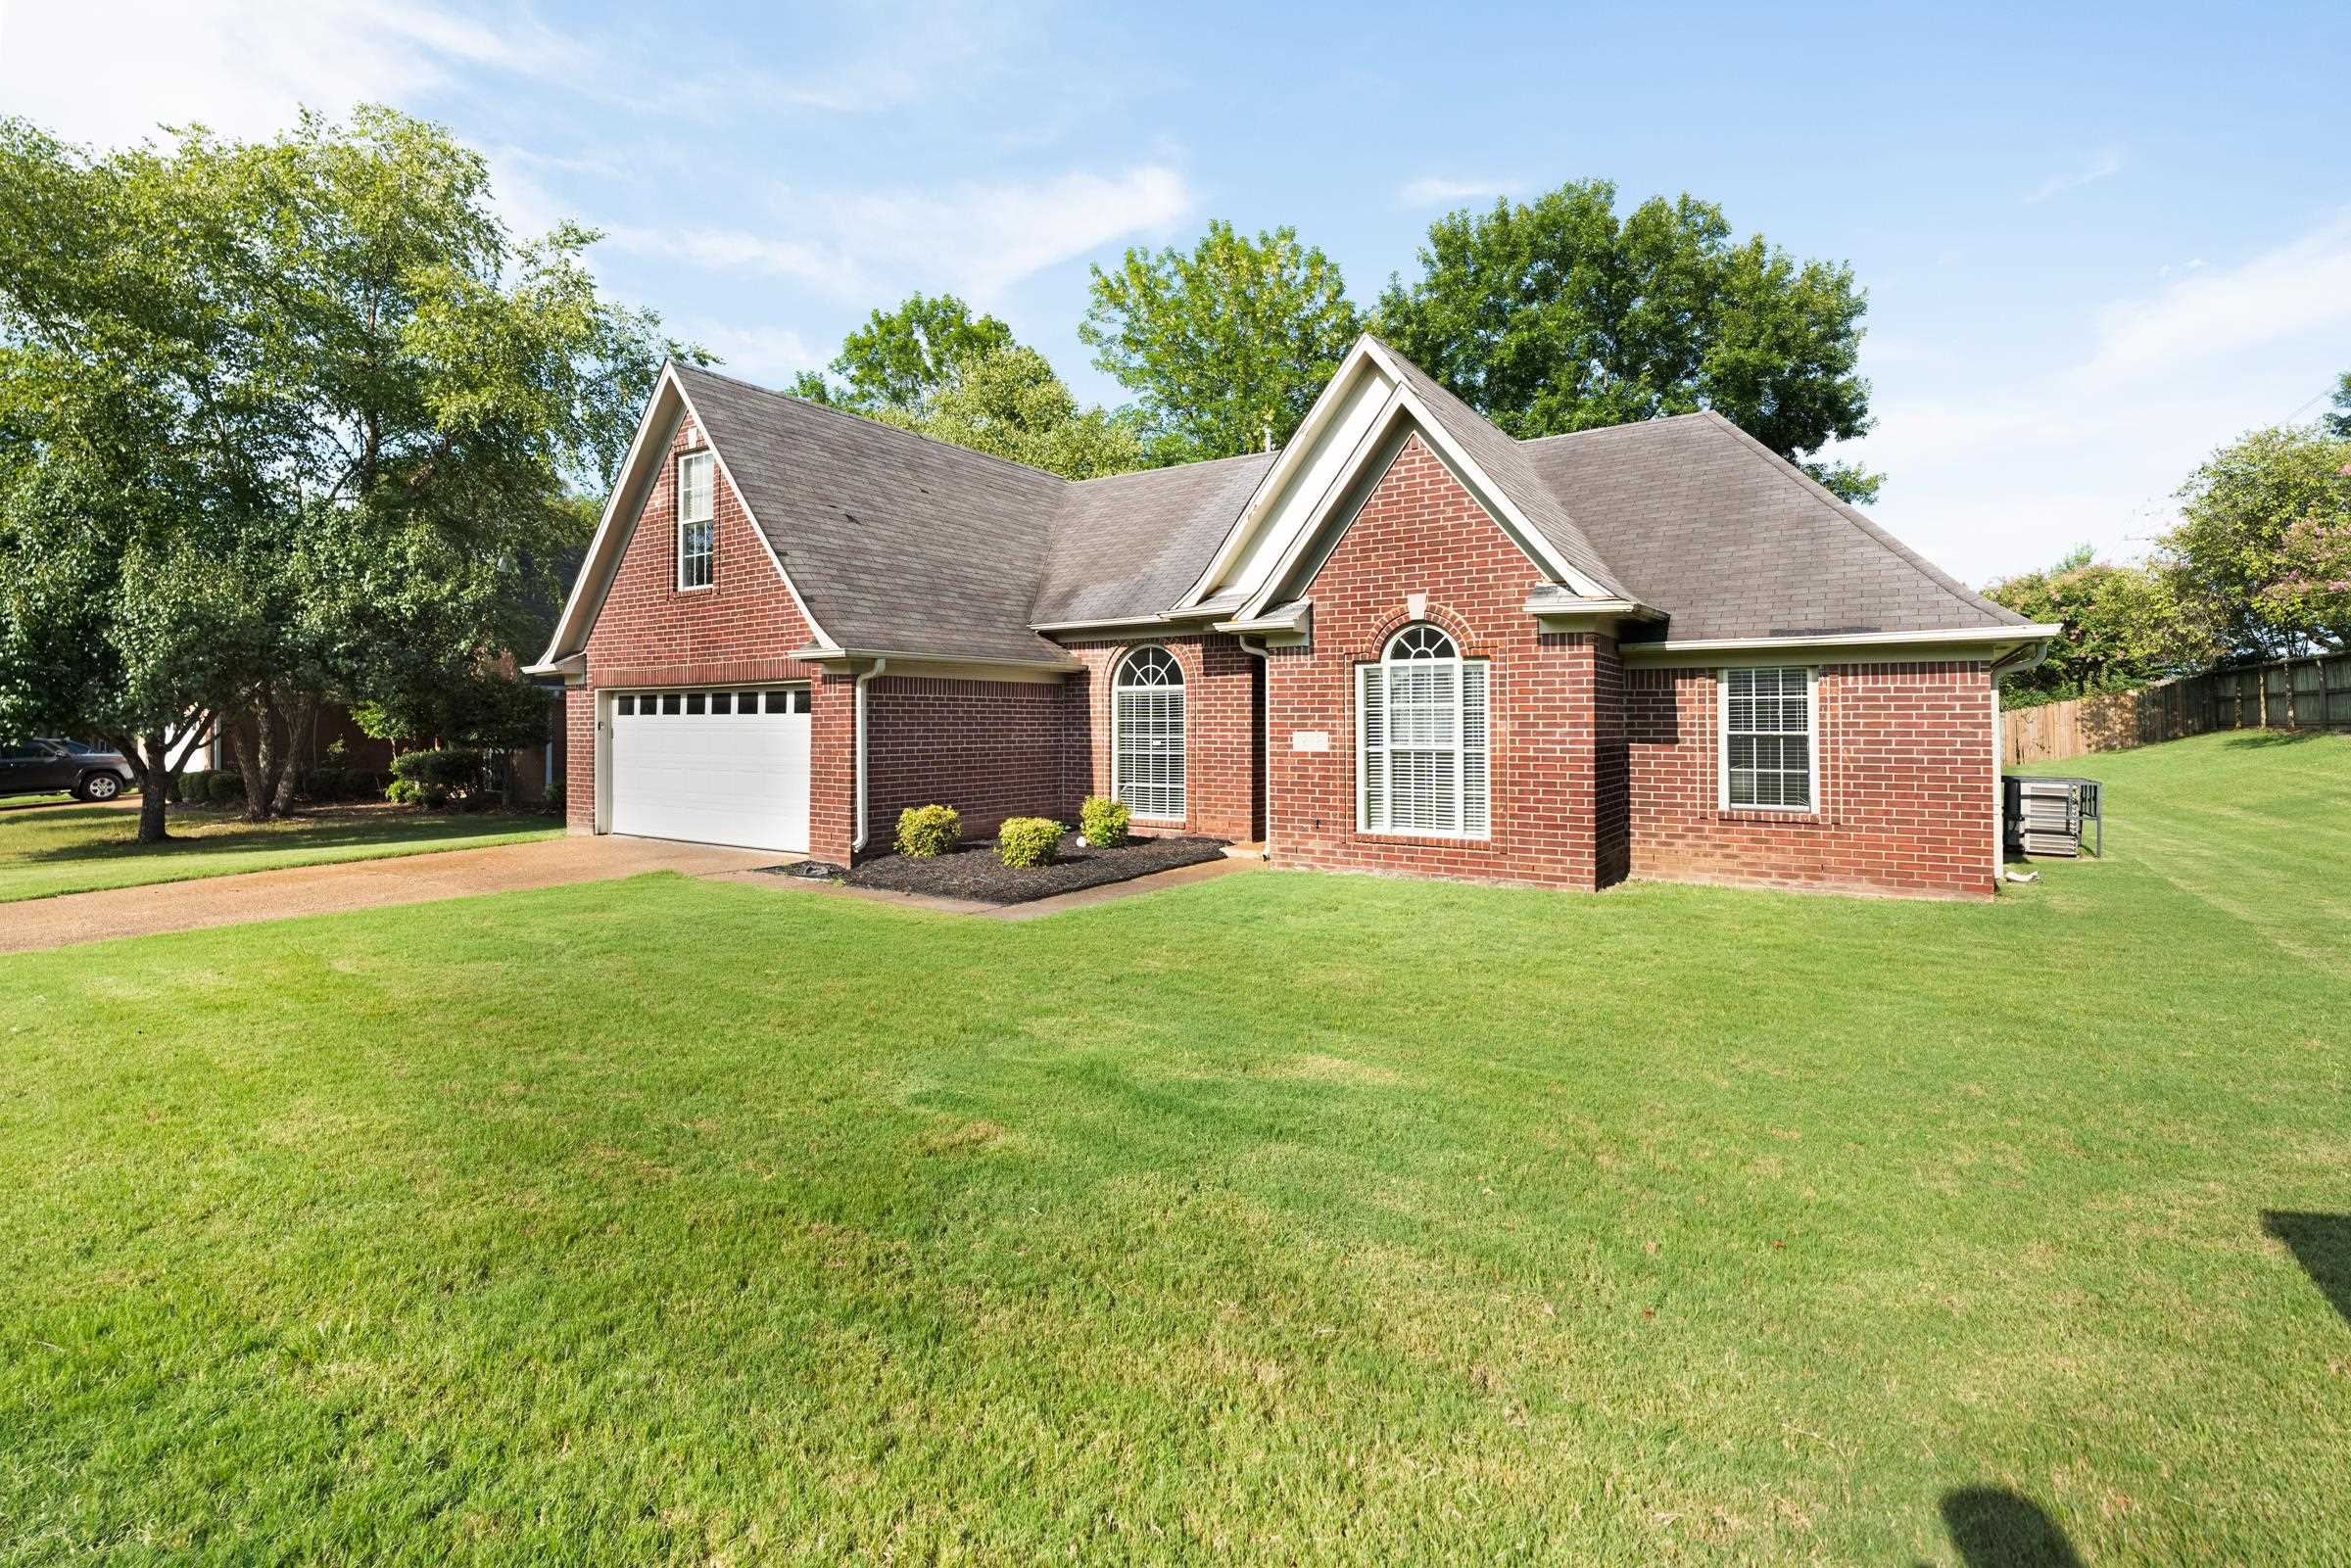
x: 1973, y: 638
x: 834, y: 656
x: 570, y: 635
x: 1115, y: 623
x: 743, y: 500
x: 1293, y: 456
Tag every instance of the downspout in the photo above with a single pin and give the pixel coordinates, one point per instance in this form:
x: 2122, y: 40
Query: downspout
x: 1265, y: 748
x: 858, y: 845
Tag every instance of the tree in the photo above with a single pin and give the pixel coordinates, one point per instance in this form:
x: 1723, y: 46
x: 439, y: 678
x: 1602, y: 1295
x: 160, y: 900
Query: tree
x: 1556, y: 315
x: 2338, y: 424
x: 2258, y: 524
x: 1010, y: 403
x: 278, y: 419
x: 2124, y: 626
x: 904, y: 359
x: 1226, y: 348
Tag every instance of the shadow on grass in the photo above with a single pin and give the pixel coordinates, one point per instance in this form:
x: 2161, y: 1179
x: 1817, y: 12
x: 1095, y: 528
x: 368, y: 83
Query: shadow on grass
x: 284, y: 832
x: 2322, y: 1244
x: 1997, y: 1528
x: 2261, y: 738
x: 38, y: 803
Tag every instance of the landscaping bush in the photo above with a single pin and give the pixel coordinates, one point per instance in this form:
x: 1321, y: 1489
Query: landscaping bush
x: 329, y: 782
x: 928, y: 831
x: 196, y: 787
x: 1027, y: 841
x: 437, y: 779
x: 1103, y: 822
x: 224, y: 786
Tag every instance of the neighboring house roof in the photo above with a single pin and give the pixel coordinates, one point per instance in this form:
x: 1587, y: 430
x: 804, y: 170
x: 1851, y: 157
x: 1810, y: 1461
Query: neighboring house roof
x: 1731, y: 540
x: 895, y: 542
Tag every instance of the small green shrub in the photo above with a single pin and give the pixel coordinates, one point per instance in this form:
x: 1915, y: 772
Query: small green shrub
x: 1027, y: 841
x: 224, y: 786
x: 437, y: 779
x: 196, y: 787
x: 1103, y: 821
x: 928, y: 831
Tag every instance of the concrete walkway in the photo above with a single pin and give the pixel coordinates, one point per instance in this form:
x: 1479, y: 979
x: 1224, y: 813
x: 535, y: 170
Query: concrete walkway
x: 38, y: 923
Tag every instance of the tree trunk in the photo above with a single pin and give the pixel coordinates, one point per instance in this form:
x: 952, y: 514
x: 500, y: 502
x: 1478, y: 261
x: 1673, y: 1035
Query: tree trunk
x: 151, y: 761
x: 300, y: 727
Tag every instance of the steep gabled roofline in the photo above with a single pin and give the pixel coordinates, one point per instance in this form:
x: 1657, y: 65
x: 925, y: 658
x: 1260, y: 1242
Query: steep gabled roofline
x: 605, y: 548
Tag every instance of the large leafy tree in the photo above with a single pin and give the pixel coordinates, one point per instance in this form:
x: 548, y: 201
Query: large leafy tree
x: 2259, y: 539
x: 2124, y: 626
x: 1010, y: 403
x: 1558, y: 315
x: 902, y: 358
x: 279, y: 419
x: 2338, y: 422
x: 1227, y: 347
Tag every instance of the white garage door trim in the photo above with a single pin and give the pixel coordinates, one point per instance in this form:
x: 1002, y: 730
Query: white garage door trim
x: 712, y: 766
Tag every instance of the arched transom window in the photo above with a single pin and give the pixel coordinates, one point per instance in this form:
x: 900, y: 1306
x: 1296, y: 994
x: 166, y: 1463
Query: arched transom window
x: 1420, y: 738
x: 1147, y: 745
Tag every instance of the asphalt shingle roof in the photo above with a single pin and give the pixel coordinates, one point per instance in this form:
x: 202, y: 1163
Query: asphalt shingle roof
x: 901, y: 543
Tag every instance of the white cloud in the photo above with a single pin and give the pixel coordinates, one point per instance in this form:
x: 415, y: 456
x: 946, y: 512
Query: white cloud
x: 1436, y: 190
x: 2104, y: 164
x: 2297, y: 289
x: 973, y: 238
x: 769, y: 355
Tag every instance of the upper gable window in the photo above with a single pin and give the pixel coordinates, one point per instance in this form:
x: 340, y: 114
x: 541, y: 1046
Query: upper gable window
x: 1768, y: 726
x: 1420, y: 738
x: 698, y: 544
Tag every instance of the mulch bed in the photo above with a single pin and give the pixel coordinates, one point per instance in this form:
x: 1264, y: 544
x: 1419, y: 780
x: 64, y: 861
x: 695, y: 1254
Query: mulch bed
x: 973, y: 871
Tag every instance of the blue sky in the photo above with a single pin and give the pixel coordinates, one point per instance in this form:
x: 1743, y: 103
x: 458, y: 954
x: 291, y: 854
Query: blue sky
x: 2097, y: 242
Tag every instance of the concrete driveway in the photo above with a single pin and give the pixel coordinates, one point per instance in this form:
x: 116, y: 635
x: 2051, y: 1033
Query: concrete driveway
x: 37, y: 923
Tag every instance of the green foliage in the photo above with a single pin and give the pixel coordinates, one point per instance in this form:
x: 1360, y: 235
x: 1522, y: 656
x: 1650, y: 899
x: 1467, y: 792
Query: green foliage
x: 925, y: 832
x: 905, y: 357
x: 225, y: 786
x: 1556, y: 315
x: 195, y: 785
x: 285, y: 416
x: 2338, y: 424
x: 481, y: 711
x: 1225, y: 345
x: 2124, y: 627
x: 1011, y: 404
x: 2261, y: 540
x: 1103, y: 821
x: 1028, y: 841
x: 443, y: 776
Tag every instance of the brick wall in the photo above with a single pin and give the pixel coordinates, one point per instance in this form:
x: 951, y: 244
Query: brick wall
x: 1555, y: 773
x: 1223, y: 743
x: 1906, y: 785
x: 739, y: 629
x: 991, y: 750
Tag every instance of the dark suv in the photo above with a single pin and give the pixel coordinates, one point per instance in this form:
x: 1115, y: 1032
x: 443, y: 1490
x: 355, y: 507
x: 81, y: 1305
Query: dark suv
x: 38, y: 767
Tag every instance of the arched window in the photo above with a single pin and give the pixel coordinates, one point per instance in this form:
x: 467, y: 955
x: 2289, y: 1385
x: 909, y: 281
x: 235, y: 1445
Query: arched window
x: 1420, y: 738
x: 1147, y: 740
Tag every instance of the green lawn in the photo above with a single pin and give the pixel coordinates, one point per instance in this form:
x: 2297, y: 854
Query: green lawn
x: 1280, y: 1218
x: 51, y: 849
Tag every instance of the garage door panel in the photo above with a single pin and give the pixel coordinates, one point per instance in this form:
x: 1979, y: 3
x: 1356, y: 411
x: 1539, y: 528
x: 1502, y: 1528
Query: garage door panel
x: 724, y: 778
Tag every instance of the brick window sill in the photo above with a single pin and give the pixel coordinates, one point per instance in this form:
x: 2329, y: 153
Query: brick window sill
x: 1477, y: 846
x: 1783, y: 818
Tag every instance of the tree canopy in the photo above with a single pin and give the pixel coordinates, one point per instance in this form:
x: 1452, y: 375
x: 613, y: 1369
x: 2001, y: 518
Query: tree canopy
x: 284, y: 417
x: 2124, y: 626
x: 2264, y: 535
x: 1556, y: 315
x: 902, y: 358
x: 1010, y: 403
x: 1224, y: 348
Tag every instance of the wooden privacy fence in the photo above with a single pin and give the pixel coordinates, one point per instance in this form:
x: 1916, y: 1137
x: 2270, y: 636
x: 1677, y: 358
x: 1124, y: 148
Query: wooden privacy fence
x: 2310, y: 694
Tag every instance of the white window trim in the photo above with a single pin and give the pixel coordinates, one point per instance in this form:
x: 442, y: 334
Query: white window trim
x: 1722, y: 740
x: 679, y: 523
x: 1461, y: 753
x: 1119, y: 686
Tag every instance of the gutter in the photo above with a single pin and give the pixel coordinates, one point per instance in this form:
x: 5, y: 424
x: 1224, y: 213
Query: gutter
x: 2035, y: 632
x: 858, y: 845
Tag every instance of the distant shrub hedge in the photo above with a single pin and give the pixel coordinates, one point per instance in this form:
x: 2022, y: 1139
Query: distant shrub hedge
x: 925, y: 832
x: 1027, y: 841
x: 449, y: 777
x: 1103, y: 821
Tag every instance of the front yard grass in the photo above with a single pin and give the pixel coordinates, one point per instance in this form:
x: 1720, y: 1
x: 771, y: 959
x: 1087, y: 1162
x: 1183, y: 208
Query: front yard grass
x: 48, y: 850
x: 1280, y: 1218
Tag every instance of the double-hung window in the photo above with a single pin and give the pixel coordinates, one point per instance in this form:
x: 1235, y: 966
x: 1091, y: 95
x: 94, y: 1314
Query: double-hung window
x: 1421, y: 739
x: 1147, y: 701
x: 1768, y: 729
x: 696, y: 531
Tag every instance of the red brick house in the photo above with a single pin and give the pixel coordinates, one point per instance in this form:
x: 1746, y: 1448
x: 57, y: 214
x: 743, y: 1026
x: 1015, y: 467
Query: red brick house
x: 1403, y: 643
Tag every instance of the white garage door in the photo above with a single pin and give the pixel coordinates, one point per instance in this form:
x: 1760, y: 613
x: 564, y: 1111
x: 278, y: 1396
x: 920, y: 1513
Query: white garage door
x: 712, y: 767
